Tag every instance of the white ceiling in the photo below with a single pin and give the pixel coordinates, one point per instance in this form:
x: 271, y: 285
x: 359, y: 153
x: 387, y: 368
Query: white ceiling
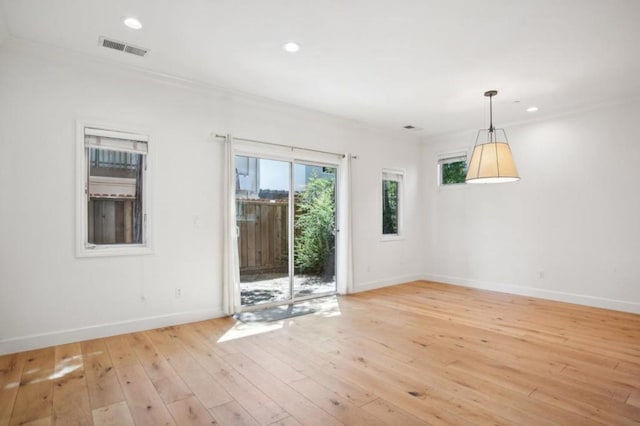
x: 390, y: 63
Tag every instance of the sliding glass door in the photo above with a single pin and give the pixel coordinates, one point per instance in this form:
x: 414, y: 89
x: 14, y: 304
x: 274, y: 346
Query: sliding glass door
x: 286, y: 221
x: 314, y: 240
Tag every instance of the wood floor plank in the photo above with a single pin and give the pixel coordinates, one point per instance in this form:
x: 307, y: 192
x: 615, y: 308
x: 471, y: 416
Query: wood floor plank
x: 351, y: 392
x: 292, y: 401
x: 212, y: 331
x: 390, y: 414
x: 428, y: 413
x: 255, y: 401
x: 120, y: 351
x: 519, y: 391
x: 403, y: 377
x: 102, y: 381
x: 604, y: 385
x: 190, y: 411
x: 11, y: 368
x: 38, y: 367
x: 34, y: 400
x: 271, y: 363
x: 634, y: 399
x: 199, y: 381
x: 287, y: 421
x: 233, y: 414
x: 113, y: 415
x: 70, y: 392
x: 448, y: 396
x: 165, y: 379
x: 46, y: 421
x: 146, y: 406
x: 334, y: 404
x: 575, y: 405
x: 419, y: 353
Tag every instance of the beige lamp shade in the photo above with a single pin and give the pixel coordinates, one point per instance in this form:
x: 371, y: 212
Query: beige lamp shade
x: 492, y: 162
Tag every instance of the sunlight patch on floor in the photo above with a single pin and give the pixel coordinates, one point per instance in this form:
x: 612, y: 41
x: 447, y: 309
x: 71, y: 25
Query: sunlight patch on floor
x: 241, y: 329
x: 64, y: 371
x: 324, y: 306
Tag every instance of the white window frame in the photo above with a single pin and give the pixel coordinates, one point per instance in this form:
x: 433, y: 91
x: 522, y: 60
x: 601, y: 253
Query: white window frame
x: 397, y: 175
x: 83, y: 247
x: 447, y: 158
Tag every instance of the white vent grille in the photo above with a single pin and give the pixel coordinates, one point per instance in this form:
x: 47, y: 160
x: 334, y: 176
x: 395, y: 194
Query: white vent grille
x: 113, y: 44
x: 123, y: 47
x: 136, y: 50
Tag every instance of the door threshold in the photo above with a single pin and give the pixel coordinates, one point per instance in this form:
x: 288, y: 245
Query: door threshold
x: 276, y: 313
x: 299, y: 300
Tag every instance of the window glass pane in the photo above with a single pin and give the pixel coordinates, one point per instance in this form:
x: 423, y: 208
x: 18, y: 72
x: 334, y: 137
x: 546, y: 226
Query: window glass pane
x: 242, y: 165
x: 115, y: 197
x: 390, y: 207
x: 453, y: 172
x: 314, y: 239
x: 262, y: 220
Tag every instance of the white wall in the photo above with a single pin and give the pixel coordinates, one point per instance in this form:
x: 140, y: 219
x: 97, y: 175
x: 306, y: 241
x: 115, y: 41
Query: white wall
x: 569, y: 230
x: 573, y: 217
x: 4, y: 29
x: 49, y: 296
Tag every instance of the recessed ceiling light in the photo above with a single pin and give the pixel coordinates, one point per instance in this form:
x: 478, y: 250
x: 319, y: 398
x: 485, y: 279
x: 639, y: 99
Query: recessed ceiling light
x: 133, y: 23
x: 291, y: 47
x: 532, y: 109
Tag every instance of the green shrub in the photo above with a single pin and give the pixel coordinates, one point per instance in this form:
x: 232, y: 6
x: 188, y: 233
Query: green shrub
x: 314, y: 240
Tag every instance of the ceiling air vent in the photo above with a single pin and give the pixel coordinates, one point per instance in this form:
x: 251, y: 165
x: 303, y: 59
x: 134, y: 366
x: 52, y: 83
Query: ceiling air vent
x: 123, y: 47
x: 136, y: 50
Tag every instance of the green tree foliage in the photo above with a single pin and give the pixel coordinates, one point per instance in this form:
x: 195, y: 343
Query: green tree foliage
x: 453, y: 173
x: 389, y: 207
x: 315, y: 224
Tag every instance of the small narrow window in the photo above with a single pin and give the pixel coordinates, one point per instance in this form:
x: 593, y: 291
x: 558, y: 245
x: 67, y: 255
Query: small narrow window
x: 115, y: 165
x: 391, y: 197
x: 452, y: 170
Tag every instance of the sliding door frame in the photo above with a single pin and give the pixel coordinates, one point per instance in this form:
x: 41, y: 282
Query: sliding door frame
x: 336, y: 229
x: 292, y: 161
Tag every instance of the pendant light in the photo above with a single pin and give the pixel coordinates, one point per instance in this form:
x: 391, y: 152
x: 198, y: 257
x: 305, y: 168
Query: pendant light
x: 491, y: 160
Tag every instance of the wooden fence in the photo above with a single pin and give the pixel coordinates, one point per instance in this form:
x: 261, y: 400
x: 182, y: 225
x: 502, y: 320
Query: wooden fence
x: 262, y: 244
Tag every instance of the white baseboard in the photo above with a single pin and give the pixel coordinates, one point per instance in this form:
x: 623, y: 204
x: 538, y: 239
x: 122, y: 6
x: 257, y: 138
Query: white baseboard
x: 560, y: 296
x: 43, y: 340
x: 372, y: 285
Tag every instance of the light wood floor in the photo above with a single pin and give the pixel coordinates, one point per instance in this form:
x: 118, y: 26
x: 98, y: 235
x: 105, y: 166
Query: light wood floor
x: 420, y: 353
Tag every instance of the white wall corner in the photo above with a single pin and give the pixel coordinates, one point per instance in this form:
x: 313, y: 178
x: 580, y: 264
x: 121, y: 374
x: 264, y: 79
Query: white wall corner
x: 43, y: 340
x: 558, y: 296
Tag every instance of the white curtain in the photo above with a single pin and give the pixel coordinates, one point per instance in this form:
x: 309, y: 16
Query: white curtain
x: 345, y: 249
x: 231, y: 267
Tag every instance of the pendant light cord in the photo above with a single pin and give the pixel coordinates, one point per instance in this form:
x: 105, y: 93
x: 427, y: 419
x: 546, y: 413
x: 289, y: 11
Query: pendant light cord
x: 492, y: 133
x: 491, y: 114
